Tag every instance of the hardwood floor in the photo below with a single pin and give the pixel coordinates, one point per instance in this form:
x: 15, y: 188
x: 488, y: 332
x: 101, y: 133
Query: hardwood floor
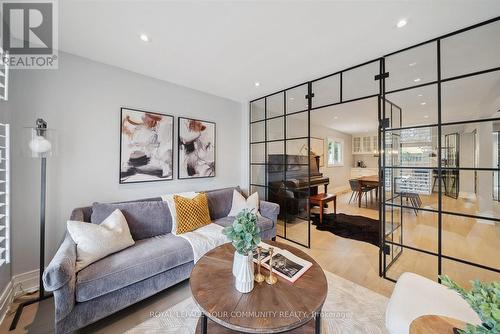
x: 470, y: 239
x: 353, y: 260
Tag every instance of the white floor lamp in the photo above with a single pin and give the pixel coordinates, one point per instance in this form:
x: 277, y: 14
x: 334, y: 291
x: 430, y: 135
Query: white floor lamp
x: 41, y: 145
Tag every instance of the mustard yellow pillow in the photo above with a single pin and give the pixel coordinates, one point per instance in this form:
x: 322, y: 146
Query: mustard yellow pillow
x: 191, y: 213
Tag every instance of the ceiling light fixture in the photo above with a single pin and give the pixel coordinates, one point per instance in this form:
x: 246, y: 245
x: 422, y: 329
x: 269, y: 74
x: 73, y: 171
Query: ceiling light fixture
x: 257, y: 84
x: 145, y: 38
x: 292, y: 98
x: 401, y: 23
x: 412, y: 64
x: 426, y: 116
x: 423, y: 103
x: 417, y: 80
x: 335, y: 117
x: 419, y: 95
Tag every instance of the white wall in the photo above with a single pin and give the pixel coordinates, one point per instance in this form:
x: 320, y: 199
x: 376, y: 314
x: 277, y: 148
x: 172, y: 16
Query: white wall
x: 82, y: 102
x: 370, y: 160
x: 339, y: 175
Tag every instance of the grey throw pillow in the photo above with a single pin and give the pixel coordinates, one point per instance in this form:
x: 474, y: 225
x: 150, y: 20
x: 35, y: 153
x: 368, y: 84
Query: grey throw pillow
x: 220, y: 202
x: 145, y: 219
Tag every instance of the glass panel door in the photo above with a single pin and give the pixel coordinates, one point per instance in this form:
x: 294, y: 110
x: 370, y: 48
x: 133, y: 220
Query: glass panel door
x: 450, y: 162
x: 496, y: 163
x: 392, y: 222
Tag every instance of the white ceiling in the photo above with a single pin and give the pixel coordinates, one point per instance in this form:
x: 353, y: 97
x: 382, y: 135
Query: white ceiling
x: 224, y: 47
x: 475, y: 97
x: 352, y: 118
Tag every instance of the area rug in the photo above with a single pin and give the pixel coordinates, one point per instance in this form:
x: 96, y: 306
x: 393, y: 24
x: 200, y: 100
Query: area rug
x: 349, y: 309
x: 353, y: 227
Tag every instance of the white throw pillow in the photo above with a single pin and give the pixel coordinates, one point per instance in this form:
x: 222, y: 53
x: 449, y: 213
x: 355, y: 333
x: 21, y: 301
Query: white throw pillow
x: 240, y: 203
x: 95, y: 241
x: 169, y: 198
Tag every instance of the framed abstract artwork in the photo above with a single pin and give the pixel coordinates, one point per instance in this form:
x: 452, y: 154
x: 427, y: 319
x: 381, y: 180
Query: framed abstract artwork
x: 146, y: 146
x: 196, y: 148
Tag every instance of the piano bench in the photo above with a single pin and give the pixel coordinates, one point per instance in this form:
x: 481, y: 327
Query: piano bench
x: 321, y: 200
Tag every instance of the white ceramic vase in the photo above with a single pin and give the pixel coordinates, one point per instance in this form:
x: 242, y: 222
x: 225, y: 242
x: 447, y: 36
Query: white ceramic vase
x: 243, y: 272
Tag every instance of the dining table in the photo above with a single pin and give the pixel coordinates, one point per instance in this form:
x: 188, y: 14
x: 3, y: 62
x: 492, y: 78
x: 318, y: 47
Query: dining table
x: 367, y: 181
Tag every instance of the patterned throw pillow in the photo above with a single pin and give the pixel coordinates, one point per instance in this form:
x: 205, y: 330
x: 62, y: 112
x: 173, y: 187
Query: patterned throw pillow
x: 191, y: 213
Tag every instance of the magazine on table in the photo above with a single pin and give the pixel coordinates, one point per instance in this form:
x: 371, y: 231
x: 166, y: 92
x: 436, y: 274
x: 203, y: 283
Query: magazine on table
x: 285, y: 264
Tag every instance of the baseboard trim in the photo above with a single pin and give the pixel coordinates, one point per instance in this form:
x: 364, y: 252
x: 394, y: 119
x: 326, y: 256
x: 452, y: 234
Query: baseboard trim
x: 25, y: 283
x: 19, y: 285
x: 6, y: 299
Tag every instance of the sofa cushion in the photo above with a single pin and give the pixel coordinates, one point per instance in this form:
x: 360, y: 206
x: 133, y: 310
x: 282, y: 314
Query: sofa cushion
x: 96, y: 241
x: 263, y: 222
x: 145, y: 219
x: 240, y: 203
x: 145, y: 259
x: 192, y: 213
x: 220, y: 202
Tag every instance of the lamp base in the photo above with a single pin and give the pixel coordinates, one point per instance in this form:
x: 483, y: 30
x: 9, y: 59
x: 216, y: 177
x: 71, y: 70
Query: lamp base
x: 21, y: 306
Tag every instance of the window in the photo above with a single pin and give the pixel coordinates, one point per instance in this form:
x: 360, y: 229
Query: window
x: 4, y: 193
x: 418, y: 147
x: 4, y: 75
x: 335, y: 152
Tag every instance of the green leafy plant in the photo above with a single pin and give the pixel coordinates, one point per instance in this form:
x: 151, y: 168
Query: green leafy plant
x: 244, y: 233
x: 484, y: 298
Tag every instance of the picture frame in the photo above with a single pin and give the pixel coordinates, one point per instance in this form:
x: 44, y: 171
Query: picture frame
x: 196, y: 148
x: 146, y: 146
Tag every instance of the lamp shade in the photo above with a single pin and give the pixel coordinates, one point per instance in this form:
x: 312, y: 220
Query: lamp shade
x: 39, y: 141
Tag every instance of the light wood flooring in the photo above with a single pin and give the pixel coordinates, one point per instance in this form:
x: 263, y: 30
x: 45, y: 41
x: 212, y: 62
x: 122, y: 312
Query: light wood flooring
x: 470, y: 239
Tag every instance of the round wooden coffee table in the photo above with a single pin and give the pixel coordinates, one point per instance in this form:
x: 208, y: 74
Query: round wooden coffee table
x: 435, y: 324
x: 282, y: 307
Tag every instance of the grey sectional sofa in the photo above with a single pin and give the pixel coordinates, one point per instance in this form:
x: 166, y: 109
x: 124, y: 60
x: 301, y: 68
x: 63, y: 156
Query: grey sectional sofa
x: 157, y: 261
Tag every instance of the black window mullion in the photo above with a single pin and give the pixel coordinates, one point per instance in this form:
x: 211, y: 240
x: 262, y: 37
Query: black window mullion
x: 440, y: 170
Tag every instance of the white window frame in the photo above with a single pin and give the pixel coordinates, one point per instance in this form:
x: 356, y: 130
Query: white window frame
x: 5, y: 196
x: 334, y: 141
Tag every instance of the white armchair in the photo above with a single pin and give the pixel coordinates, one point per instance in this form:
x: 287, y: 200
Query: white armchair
x: 414, y: 296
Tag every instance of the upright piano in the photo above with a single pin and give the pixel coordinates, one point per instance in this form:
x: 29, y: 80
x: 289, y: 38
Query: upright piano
x: 290, y: 187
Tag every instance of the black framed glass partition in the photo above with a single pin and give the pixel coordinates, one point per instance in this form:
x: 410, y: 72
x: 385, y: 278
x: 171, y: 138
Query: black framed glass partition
x: 448, y: 92
x: 279, y: 161
x: 437, y: 107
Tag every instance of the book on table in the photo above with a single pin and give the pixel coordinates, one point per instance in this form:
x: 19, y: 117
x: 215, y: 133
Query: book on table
x: 285, y: 263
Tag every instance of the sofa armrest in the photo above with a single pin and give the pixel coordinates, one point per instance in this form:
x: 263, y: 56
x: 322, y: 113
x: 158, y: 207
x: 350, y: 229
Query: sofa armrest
x: 60, y: 278
x: 269, y: 210
x: 62, y: 267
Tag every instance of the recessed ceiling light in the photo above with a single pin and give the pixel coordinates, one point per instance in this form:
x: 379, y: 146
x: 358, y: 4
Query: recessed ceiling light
x: 335, y: 117
x: 417, y: 80
x: 412, y: 64
x: 426, y: 116
x: 257, y: 84
x: 423, y: 103
x: 419, y: 95
x: 145, y: 38
x: 292, y: 98
x: 401, y: 23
